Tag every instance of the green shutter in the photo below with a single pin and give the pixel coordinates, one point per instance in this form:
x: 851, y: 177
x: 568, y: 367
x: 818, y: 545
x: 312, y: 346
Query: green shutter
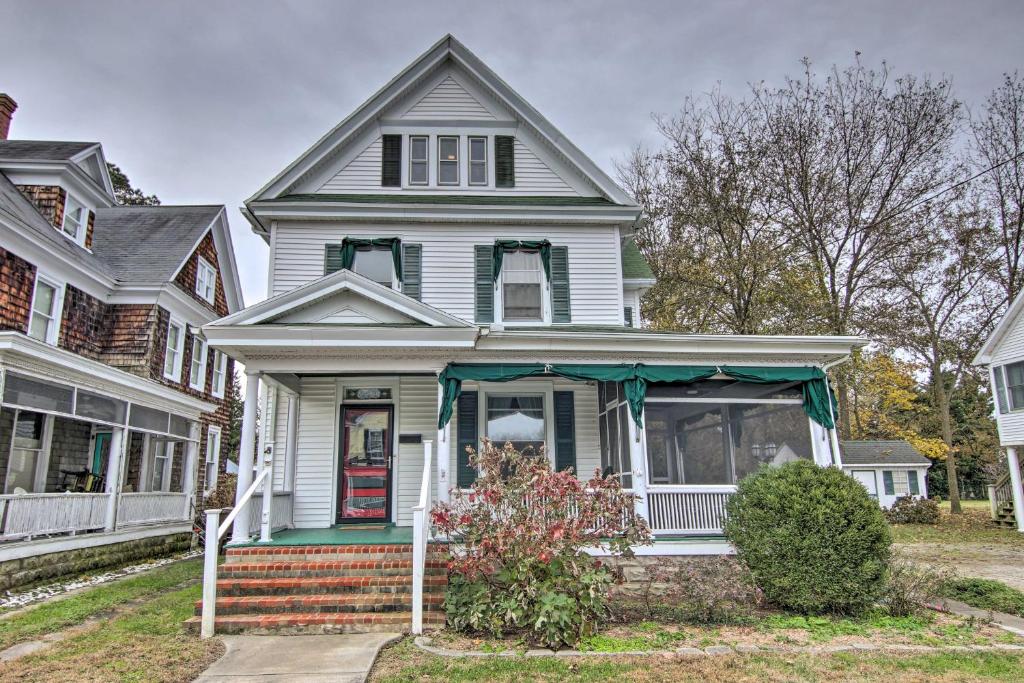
x: 890, y: 489
x: 504, y: 161
x: 391, y: 161
x: 484, y: 284
x: 466, y: 437
x: 628, y: 314
x: 915, y: 487
x: 412, y: 271
x: 565, y: 431
x: 560, y: 308
x: 332, y: 258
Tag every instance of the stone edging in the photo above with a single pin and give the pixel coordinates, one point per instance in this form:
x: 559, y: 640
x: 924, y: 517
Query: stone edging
x: 425, y: 643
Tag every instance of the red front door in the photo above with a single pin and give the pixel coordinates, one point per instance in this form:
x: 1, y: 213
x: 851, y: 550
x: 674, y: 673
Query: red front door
x: 365, y: 473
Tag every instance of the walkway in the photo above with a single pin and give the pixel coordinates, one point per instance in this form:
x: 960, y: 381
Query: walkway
x: 291, y: 659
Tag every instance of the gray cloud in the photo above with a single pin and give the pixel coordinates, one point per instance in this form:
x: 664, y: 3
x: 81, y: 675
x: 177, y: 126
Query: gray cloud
x: 206, y: 101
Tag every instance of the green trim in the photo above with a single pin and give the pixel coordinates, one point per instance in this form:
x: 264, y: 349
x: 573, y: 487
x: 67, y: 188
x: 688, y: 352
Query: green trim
x: 336, y: 535
x: 634, y: 265
x: 475, y: 200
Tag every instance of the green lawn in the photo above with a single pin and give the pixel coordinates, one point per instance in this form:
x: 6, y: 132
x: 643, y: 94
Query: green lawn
x: 973, y: 525
x: 986, y: 594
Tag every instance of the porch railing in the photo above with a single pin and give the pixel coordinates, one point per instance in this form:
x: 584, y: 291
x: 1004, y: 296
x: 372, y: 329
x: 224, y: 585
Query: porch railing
x: 39, y: 514
x: 420, y: 537
x: 687, y: 510
x: 999, y: 493
x: 280, y: 512
x: 151, y: 507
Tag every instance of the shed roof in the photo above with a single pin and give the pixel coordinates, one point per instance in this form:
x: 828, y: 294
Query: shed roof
x: 634, y: 265
x: 894, y: 452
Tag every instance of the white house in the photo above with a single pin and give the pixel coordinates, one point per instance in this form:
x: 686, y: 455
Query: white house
x: 446, y: 266
x: 887, y: 469
x: 1003, y: 355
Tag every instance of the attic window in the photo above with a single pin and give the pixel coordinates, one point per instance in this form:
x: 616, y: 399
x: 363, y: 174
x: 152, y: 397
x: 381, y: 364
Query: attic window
x: 206, y: 280
x: 74, y: 219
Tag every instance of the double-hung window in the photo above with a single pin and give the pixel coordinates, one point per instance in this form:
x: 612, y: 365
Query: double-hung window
x: 197, y: 365
x: 477, y: 161
x: 163, y: 458
x: 75, y: 217
x: 419, y: 160
x: 522, y: 277
x: 212, y: 458
x: 26, y: 467
x: 206, y: 280
x: 1010, y: 384
x: 517, y: 419
x: 613, y: 429
x: 447, y: 160
x: 220, y: 371
x: 896, y: 482
x: 377, y: 264
x: 47, y: 301
x: 173, y: 350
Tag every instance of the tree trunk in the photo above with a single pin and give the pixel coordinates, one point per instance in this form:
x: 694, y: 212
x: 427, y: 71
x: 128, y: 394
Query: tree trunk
x: 942, y: 403
x: 842, y: 386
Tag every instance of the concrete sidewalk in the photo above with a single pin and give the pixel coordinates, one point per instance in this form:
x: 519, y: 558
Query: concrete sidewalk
x: 343, y: 658
x: 1007, y: 622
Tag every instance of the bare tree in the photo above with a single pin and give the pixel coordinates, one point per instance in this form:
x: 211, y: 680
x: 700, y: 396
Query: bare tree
x: 848, y: 157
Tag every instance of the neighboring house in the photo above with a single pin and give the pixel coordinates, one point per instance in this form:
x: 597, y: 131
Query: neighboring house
x: 887, y: 469
x: 108, y: 390
x: 446, y: 266
x: 1003, y: 355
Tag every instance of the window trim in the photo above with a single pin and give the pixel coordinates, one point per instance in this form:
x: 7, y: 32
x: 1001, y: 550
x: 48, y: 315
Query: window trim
x: 457, y: 161
x: 220, y: 362
x: 175, y: 374
x: 545, y: 299
x: 470, y: 161
x: 524, y: 387
x: 202, y: 265
x: 210, y: 430
x: 201, y: 386
x: 425, y: 160
x: 43, y: 463
x: 53, y: 333
x: 1007, y: 392
x: 83, y: 227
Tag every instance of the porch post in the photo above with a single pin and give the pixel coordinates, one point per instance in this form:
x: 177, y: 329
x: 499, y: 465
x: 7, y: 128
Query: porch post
x: 113, y: 486
x: 268, y: 495
x: 637, y: 464
x: 188, y: 475
x: 1015, y: 486
x: 240, y: 531
x: 444, y: 453
x: 290, y: 442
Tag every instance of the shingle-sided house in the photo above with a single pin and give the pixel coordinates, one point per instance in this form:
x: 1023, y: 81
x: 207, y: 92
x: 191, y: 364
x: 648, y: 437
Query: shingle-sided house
x: 887, y: 469
x: 113, y: 413
x: 446, y: 266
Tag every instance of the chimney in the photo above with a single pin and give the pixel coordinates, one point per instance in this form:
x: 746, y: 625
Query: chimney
x: 7, y: 107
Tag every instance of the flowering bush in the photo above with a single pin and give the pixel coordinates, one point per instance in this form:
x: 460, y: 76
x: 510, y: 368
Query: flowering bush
x: 524, y: 529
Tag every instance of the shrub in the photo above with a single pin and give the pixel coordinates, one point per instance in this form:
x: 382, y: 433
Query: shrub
x: 701, y: 590
x: 524, y: 528
x: 812, y: 538
x: 911, y: 510
x: 909, y: 588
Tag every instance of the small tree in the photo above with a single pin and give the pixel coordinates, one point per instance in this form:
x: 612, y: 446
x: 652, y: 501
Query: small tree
x: 524, y: 528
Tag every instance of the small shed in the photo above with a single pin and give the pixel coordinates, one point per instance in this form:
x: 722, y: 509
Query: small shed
x: 887, y: 469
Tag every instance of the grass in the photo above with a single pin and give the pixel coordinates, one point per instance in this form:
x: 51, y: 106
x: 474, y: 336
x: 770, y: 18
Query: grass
x: 646, y: 636
x: 75, y: 609
x: 405, y: 662
x: 986, y: 594
x: 974, y: 525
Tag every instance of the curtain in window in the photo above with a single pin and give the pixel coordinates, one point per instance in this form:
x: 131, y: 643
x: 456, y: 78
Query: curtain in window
x: 501, y: 247
x: 349, y: 245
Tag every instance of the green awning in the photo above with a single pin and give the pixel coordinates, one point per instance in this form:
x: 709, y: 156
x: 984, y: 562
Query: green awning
x: 635, y: 377
x: 502, y: 246
x: 350, y: 245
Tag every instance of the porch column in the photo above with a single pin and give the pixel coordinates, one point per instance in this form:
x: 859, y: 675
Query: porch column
x: 1015, y: 486
x: 444, y: 452
x: 188, y: 473
x: 291, y: 434
x: 638, y: 464
x: 118, y: 436
x: 240, y: 531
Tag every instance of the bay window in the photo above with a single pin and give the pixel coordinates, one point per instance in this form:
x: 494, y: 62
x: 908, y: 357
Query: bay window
x: 522, y: 287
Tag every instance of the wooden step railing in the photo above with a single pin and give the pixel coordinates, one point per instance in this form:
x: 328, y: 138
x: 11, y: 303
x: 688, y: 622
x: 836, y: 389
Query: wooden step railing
x: 999, y: 494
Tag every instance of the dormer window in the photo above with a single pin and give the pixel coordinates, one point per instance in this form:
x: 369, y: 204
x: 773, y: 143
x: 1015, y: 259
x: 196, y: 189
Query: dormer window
x: 419, y: 160
x: 206, y: 280
x: 447, y: 160
x: 75, y: 216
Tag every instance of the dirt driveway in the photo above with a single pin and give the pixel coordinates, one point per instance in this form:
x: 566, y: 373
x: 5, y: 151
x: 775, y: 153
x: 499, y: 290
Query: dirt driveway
x: 981, y: 560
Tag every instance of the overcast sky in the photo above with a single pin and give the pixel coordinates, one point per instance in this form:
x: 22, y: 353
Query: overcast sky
x: 203, y: 102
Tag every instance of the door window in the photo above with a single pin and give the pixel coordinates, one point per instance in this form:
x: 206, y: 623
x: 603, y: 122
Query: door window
x: 366, y: 460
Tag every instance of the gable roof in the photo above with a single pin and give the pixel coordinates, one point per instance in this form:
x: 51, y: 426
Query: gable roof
x: 43, y: 150
x: 634, y: 265
x: 448, y: 48
x: 881, y: 453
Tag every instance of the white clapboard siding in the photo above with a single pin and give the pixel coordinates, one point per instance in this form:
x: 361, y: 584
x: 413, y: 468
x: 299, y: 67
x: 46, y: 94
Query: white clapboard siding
x: 533, y: 176
x: 448, y: 100
x: 315, y: 461
x: 417, y: 414
x: 361, y: 173
x: 280, y: 439
x: 1011, y: 350
x: 588, y: 444
x: 594, y: 280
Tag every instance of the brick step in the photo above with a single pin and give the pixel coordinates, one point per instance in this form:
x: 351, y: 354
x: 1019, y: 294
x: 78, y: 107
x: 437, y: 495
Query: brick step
x: 319, y: 585
x: 311, y: 553
x: 322, y: 604
x: 327, y: 568
x: 296, y: 623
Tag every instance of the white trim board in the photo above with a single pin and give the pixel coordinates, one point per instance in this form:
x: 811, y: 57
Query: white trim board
x: 21, y: 550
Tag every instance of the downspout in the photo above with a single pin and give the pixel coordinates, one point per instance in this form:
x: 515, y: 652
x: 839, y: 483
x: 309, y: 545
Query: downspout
x: 837, y: 459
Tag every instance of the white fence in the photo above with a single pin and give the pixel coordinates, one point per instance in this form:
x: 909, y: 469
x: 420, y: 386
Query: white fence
x: 25, y: 516
x: 151, y: 508
x: 687, y: 509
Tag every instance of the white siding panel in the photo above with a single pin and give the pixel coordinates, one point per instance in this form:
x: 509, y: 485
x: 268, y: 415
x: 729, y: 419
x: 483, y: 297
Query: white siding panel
x: 315, y: 459
x: 449, y: 100
x: 1011, y: 350
x: 417, y: 414
x: 361, y: 173
x: 588, y: 445
x: 533, y: 176
x: 594, y: 279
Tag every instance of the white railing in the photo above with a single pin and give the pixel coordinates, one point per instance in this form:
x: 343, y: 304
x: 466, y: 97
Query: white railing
x: 215, y: 530
x: 36, y: 514
x: 151, y: 507
x: 687, y: 509
x: 420, y: 537
x: 999, y: 493
x: 280, y: 512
